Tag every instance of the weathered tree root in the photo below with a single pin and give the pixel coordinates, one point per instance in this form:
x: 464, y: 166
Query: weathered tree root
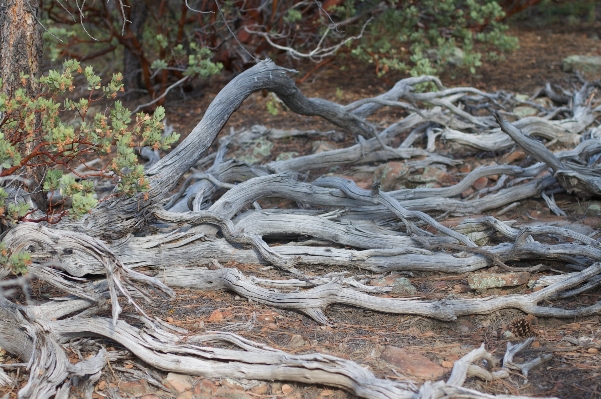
x: 564, y: 131
x: 313, y: 301
x: 584, y: 183
x: 81, y: 250
x: 346, y: 227
x: 166, y: 351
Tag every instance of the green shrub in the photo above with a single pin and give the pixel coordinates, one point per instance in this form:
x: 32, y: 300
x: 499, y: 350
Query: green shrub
x: 163, y: 43
x: 43, y: 131
x: 17, y: 263
x: 549, y: 12
x: 428, y: 36
x: 418, y: 37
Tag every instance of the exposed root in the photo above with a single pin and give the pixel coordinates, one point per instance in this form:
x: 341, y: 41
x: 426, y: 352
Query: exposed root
x: 94, y: 260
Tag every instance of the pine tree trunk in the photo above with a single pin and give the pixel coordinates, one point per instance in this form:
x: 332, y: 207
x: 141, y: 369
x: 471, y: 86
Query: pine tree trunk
x: 132, y: 73
x: 21, y: 51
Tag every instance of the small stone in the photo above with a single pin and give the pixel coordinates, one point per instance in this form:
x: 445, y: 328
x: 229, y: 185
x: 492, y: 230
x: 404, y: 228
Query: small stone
x: 204, y: 389
x: 365, y: 184
x: 584, y: 63
x: 455, y: 57
x: 480, y: 183
x: 461, y: 288
x: 433, y: 55
x: 135, y: 388
x: 287, y: 389
x: 523, y: 111
x: 296, y: 341
x: 508, y: 334
x: 384, y: 281
x: 431, y: 175
x: 594, y: 222
x: 202, y: 395
x: 467, y: 193
x: 438, y: 285
x: 403, y: 286
x: 412, y: 363
x: 261, y: 147
x: 284, y: 156
x: 101, y: 385
x: 532, y: 319
x: 178, y: 382
x: 482, y: 281
x: 268, y: 318
x: 593, y: 351
x: 479, y: 237
x: 216, y: 316
x: 276, y: 387
x: 536, y: 344
x: 390, y: 175
x: 228, y: 393
x: 515, y: 156
x: 590, y: 208
x: 207, y: 385
x: 465, y: 326
x: 465, y: 168
x: 323, y: 146
x: 326, y: 393
x: 522, y: 97
x: 229, y: 383
x: 185, y: 395
x: 544, y: 101
x: 170, y: 319
x: 447, y: 364
x: 260, y: 389
x: 535, y: 214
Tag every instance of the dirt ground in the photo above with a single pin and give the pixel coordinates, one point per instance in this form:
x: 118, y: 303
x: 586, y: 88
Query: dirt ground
x: 362, y: 335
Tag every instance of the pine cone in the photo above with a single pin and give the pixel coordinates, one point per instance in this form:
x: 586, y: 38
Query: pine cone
x: 522, y: 327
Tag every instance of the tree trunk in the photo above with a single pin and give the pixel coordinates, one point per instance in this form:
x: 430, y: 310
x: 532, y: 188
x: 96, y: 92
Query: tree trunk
x: 21, y: 51
x: 132, y: 78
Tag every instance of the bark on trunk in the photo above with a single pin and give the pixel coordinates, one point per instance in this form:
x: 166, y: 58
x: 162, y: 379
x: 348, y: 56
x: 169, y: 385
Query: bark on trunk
x: 132, y: 69
x: 21, y: 51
